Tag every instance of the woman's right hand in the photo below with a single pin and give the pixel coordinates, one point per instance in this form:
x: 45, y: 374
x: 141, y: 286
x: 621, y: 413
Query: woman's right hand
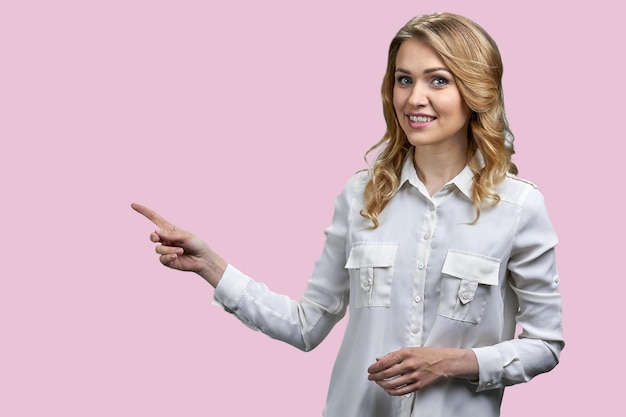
x: 182, y: 250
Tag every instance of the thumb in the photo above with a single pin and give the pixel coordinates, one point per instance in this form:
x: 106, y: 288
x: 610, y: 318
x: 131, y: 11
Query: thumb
x: 163, y: 236
x: 171, y: 235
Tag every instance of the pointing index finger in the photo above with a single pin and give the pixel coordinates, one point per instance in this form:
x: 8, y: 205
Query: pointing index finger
x: 151, y: 215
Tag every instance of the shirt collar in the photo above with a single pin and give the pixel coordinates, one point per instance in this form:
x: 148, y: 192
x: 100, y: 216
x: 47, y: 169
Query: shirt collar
x: 463, y: 181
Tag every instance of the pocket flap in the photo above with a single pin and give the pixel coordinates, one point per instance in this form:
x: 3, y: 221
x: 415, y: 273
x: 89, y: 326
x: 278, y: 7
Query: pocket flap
x: 372, y: 255
x: 467, y: 290
x: 472, y: 267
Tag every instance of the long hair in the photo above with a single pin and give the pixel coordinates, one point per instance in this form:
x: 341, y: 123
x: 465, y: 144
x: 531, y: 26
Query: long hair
x: 473, y: 58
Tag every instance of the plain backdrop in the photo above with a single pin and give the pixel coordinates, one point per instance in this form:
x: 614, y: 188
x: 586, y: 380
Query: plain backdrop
x: 241, y: 121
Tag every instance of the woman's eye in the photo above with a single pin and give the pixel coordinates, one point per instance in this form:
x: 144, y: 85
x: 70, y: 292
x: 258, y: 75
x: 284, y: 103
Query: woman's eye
x: 402, y: 80
x: 440, y: 81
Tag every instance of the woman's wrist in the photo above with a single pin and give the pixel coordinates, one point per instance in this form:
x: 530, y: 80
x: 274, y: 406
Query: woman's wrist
x: 213, y: 268
x: 462, y: 363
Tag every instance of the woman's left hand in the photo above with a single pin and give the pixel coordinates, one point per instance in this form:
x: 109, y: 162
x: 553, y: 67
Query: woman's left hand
x: 412, y: 368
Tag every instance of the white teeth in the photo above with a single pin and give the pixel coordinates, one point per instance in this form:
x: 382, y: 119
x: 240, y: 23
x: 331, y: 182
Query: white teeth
x: 421, y: 119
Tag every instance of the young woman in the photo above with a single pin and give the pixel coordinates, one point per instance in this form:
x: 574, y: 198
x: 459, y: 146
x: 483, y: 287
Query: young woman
x: 438, y: 250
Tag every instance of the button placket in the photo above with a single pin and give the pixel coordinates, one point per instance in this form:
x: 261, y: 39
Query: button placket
x: 423, y: 253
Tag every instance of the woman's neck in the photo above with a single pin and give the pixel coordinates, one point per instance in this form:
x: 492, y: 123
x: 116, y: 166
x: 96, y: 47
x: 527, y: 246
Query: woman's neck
x: 435, y: 168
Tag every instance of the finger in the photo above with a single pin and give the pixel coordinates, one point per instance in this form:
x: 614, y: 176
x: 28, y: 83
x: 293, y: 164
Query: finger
x: 400, y: 389
x: 386, y: 362
x: 170, y: 237
x: 154, y: 237
x: 394, y: 371
x: 168, y: 260
x: 389, y: 388
x: 377, y: 366
x: 151, y: 215
x: 168, y: 250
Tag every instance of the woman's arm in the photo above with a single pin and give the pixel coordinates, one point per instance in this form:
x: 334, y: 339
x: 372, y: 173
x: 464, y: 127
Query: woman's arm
x: 536, y: 307
x: 302, y: 323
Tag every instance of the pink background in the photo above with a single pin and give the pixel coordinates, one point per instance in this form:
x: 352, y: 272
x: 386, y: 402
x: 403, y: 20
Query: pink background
x: 241, y: 121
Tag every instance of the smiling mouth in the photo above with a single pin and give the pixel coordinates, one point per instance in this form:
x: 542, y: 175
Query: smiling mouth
x: 421, y: 119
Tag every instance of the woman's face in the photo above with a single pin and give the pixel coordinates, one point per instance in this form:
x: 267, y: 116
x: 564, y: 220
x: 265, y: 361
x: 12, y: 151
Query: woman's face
x: 428, y: 104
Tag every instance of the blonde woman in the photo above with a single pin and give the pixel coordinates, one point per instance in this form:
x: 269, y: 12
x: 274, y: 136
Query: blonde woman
x: 439, y: 250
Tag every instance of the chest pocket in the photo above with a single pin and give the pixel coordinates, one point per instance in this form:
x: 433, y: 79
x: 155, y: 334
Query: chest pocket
x: 371, y: 273
x: 466, y: 284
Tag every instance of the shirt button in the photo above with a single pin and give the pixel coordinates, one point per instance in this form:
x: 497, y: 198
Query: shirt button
x: 465, y: 296
x: 420, y: 266
x: 415, y: 331
x: 426, y: 236
x: 407, y: 395
x: 431, y: 207
x: 556, y: 280
x: 418, y: 299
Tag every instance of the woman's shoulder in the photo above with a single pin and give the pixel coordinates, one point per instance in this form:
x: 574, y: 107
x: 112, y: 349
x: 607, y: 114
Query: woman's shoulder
x: 358, y: 180
x: 354, y: 187
x: 515, y: 189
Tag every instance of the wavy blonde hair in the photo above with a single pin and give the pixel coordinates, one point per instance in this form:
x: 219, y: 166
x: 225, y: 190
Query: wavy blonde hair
x: 475, y: 62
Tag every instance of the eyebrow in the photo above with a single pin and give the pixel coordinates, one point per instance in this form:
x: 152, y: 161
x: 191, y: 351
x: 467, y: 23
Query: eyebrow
x: 426, y: 71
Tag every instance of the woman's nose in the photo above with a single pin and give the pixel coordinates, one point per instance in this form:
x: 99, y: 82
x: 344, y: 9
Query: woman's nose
x: 418, y: 97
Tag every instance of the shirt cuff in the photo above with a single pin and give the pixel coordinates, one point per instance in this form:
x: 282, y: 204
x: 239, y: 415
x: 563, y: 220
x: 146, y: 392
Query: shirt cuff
x: 230, y: 289
x: 490, y: 369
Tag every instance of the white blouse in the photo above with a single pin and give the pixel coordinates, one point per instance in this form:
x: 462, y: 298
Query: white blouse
x: 426, y: 276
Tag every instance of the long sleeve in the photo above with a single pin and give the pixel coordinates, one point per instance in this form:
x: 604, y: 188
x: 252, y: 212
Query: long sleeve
x: 304, y: 323
x: 535, y: 304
